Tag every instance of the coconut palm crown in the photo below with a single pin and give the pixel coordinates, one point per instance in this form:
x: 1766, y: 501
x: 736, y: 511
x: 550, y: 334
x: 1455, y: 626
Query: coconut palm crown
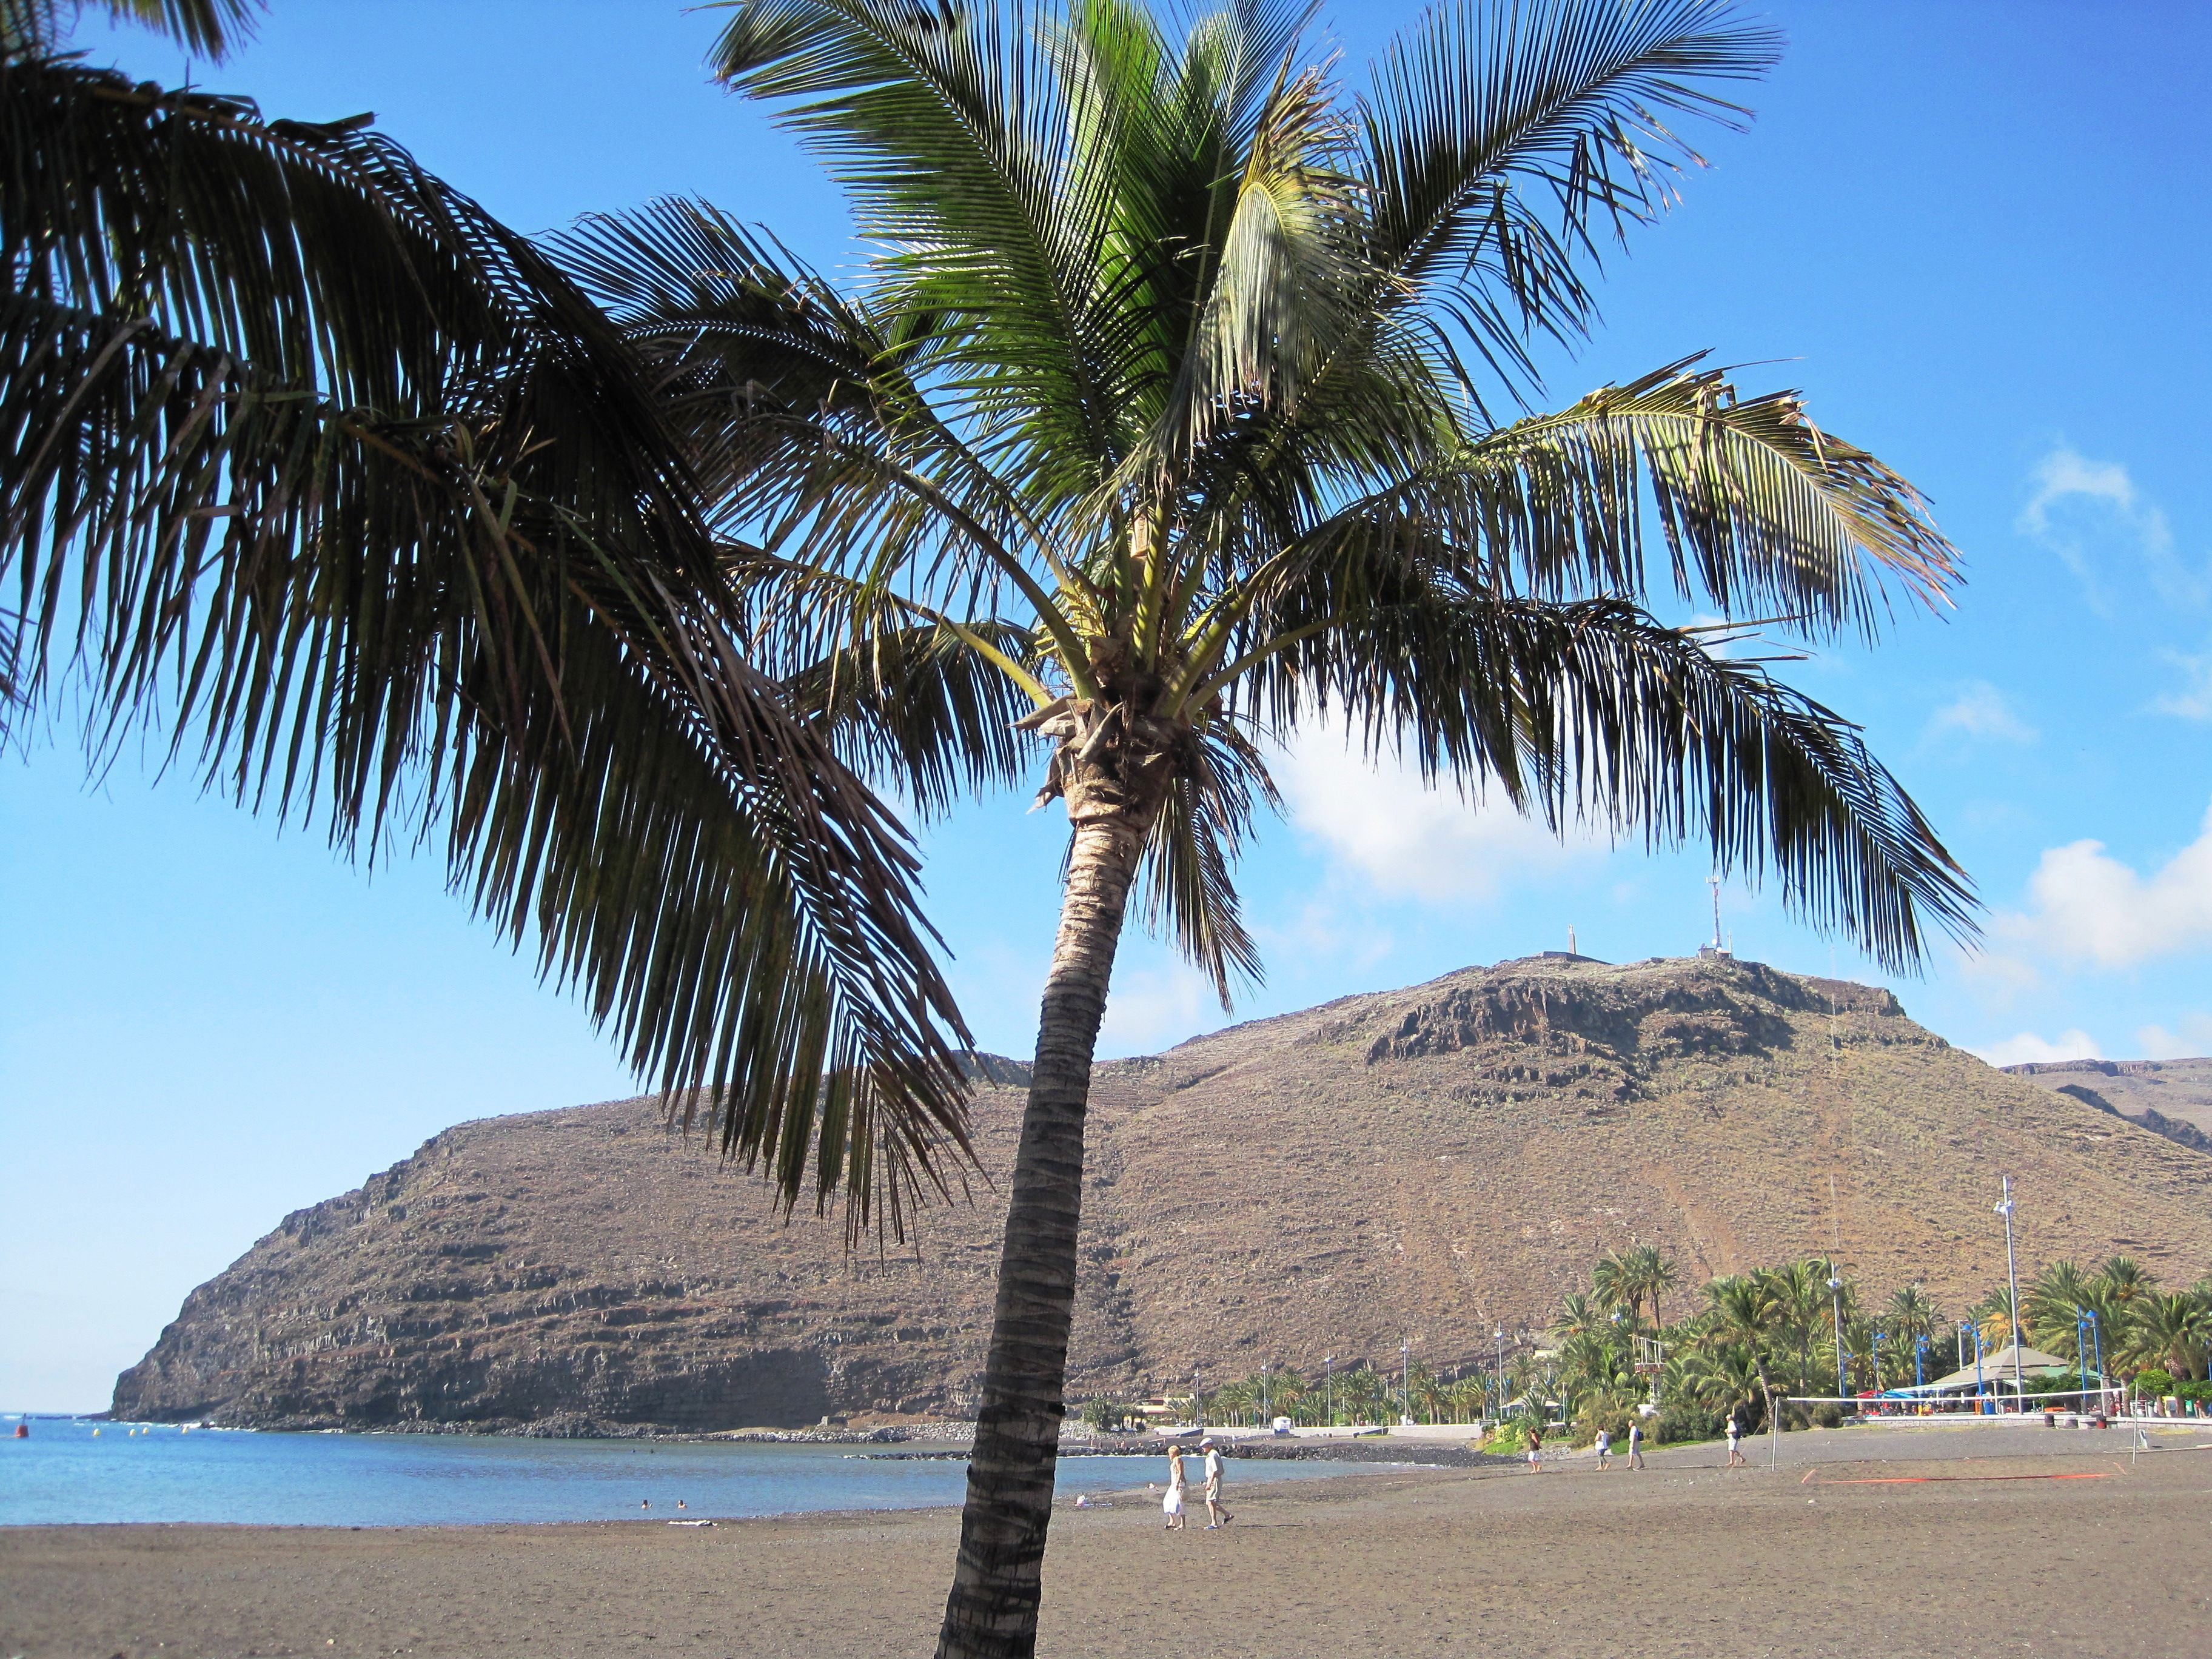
x: 1186, y: 401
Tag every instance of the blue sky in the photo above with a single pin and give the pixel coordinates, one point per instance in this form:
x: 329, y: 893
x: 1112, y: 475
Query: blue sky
x: 1974, y: 234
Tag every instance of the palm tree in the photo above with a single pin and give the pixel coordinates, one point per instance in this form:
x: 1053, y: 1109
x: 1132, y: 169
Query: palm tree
x: 311, y: 461
x: 1650, y: 1273
x: 2051, y: 1304
x: 1741, y: 1311
x: 1797, y: 1293
x: 1169, y: 410
x: 2125, y: 1279
x: 1577, y: 1315
x: 1613, y: 1283
x: 1911, y: 1318
x: 2176, y: 1328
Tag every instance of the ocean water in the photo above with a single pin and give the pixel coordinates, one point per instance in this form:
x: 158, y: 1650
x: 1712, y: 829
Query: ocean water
x: 64, y: 1473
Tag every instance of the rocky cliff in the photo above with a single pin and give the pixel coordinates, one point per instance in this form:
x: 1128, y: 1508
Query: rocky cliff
x: 1426, y: 1164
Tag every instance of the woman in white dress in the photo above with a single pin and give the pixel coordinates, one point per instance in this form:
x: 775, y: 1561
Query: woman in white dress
x: 1171, y: 1505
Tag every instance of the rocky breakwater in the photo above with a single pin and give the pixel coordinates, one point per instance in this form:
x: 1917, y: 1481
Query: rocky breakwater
x: 1428, y: 1163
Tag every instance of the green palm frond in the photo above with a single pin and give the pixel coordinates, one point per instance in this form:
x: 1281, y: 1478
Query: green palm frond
x: 950, y: 131
x: 1188, y: 892
x: 1592, y: 709
x: 1500, y: 141
x: 304, y: 452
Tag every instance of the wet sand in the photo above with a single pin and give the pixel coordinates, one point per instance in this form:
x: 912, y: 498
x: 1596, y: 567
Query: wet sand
x: 1866, y: 1541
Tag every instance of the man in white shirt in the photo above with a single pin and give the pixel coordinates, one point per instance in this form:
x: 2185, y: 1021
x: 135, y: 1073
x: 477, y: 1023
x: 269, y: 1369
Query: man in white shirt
x: 1216, y: 1516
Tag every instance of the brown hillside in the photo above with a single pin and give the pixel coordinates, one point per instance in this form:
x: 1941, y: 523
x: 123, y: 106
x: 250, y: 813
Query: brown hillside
x: 1423, y: 1163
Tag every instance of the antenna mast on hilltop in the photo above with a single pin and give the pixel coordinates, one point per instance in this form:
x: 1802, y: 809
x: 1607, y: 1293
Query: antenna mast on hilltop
x: 1717, y: 948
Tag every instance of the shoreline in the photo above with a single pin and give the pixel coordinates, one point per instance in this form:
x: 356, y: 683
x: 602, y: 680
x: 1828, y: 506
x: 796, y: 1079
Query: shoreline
x: 1882, y: 1528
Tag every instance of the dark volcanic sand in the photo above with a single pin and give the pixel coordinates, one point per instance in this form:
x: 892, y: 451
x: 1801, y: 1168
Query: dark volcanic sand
x: 1679, y: 1559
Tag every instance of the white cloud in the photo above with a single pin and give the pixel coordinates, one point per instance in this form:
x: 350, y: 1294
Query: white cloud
x: 2194, y: 1038
x: 2089, y: 905
x: 1149, y: 1008
x: 2080, y: 504
x: 2195, y: 702
x: 1405, y: 838
x: 2027, y: 1047
x: 1982, y: 711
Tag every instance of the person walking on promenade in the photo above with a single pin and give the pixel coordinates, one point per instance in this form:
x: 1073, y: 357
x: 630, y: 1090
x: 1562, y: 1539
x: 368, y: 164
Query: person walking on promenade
x: 1216, y: 1516
x: 1736, y: 1458
x: 1171, y: 1505
x: 1604, y: 1450
x: 1536, y: 1448
x: 1635, y: 1445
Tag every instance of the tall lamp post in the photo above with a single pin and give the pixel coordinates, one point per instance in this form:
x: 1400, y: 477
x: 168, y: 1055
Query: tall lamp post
x: 2012, y: 1274
x: 1267, y: 1413
x: 1836, y: 1300
x: 1405, y: 1379
x: 1500, y: 1335
x: 1328, y: 1390
x: 1197, y: 1401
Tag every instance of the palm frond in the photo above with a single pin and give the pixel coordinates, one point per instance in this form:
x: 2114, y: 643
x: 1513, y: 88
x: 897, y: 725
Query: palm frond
x: 1188, y: 887
x: 210, y: 27
x: 302, y: 450
x: 1500, y: 141
x: 1758, y: 508
x: 1592, y: 710
x: 950, y: 128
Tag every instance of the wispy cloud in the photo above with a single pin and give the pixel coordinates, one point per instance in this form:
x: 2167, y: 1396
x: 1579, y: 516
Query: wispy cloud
x: 2088, y: 906
x: 2194, y: 701
x: 2194, y: 1038
x: 1151, y: 1008
x: 2027, y: 1047
x: 1981, y: 711
x: 2080, y: 507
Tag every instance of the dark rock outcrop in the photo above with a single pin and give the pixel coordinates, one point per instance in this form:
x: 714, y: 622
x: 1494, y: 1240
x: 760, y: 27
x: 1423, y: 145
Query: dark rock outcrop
x: 1428, y: 1163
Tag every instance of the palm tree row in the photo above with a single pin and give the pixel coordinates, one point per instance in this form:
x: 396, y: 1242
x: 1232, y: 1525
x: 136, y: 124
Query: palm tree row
x: 1804, y: 1328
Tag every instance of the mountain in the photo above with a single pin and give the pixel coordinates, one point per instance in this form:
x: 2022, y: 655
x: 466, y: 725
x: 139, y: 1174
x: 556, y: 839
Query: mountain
x: 1426, y: 1165
x: 2171, y: 1097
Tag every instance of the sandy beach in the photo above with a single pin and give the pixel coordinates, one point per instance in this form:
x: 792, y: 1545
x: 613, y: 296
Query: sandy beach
x: 1866, y: 1541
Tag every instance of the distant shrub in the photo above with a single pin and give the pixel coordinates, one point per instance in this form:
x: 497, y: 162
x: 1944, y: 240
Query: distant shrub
x: 1509, y: 1439
x: 1677, y: 1424
x: 1827, y: 1415
x: 2154, y: 1381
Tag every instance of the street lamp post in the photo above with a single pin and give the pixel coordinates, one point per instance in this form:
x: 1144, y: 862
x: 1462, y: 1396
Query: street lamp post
x: 1197, y: 1401
x: 2012, y: 1274
x: 1328, y: 1390
x: 1267, y: 1415
x: 1500, y: 1335
x: 1405, y: 1379
x: 2096, y: 1341
x: 1836, y: 1299
x: 1919, y: 1360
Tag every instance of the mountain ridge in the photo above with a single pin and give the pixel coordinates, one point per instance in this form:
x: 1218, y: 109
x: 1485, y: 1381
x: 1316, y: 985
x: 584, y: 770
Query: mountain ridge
x: 1424, y: 1165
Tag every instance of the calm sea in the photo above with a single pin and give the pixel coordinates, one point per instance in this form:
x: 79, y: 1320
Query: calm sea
x: 65, y: 1473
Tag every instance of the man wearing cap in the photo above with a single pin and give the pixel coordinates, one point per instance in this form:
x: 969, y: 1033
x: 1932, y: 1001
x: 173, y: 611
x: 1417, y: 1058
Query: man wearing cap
x: 1216, y: 1516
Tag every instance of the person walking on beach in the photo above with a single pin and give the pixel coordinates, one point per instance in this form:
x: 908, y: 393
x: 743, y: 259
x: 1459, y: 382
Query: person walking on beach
x: 1216, y: 1516
x: 1635, y: 1445
x: 1171, y: 1505
x: 1735, y: 1459
x: 1604, y: 1450
x: 1535, y: 1448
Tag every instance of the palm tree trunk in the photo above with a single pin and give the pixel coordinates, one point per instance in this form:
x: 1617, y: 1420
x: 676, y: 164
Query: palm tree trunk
x: 992, y: 1612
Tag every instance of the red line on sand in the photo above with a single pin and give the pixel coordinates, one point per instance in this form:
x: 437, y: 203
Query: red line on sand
x: 1924, y: 1480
